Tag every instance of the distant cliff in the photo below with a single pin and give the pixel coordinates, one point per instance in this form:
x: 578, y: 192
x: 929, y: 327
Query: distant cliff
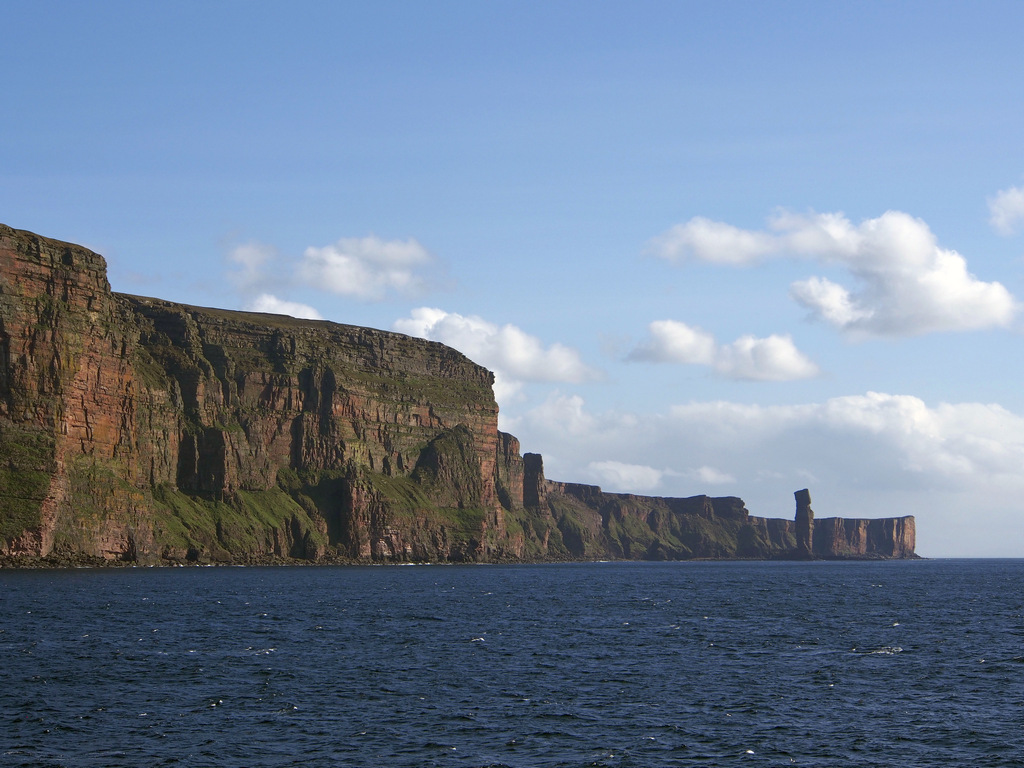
x: 134, y: 429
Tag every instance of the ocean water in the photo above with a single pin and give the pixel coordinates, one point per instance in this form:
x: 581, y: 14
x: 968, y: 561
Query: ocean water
x: 906, y: 664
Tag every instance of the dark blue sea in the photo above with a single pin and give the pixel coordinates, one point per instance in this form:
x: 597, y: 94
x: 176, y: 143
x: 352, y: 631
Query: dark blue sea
x: 905, y: 664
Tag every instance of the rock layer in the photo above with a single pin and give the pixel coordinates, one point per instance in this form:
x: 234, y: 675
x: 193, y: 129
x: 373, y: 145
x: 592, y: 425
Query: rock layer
x: 137, y: 429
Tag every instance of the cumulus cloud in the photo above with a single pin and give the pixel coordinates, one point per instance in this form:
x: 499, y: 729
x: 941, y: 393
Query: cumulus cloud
x: 1006, y: 210
x: 513, y: 355
x: 774, y: 358
x: 367, y: 268
x: 267, y: 302
x: 905, y: 283
x: 676, y: 342
x: 956, y: 466
x: 831, y: 301
x: 714, y: 241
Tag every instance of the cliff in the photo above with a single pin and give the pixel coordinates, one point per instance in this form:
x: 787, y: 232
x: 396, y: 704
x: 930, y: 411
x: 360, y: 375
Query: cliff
x: 140, y: 430
x: 588, y: 523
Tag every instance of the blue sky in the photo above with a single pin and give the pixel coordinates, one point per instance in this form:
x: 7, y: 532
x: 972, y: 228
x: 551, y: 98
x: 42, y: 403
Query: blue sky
x: 724, y: 248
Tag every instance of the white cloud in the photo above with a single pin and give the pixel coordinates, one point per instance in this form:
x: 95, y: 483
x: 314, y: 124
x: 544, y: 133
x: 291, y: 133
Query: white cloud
x: 514, y: 355
x: 907, y: 284
x: 266, y: 302
x: 617, y: 477
x: 252, y: 259
x: 254, y: 277
x: 832, y: 302
x: 714, y: 241
x: 712, y: 476
x: 956, y: 466
x: 252, y: 255
x: 1006, y: 210
x: 949, y: 442
x: 672, y: 341
x: 568, y: 412
x: 774, y: 358
x: 367, y: 268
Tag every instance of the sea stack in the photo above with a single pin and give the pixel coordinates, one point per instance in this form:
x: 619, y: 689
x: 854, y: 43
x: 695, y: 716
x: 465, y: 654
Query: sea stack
x: 804, y: 523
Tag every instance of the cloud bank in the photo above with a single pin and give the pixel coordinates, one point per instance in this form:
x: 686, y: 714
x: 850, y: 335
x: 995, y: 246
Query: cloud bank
x: 905, y: 283
x: 514, y: 356
x: 774, y: 358
x: 956, y: 466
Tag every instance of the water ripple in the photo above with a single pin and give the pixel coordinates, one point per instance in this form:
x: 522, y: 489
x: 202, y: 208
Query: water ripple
x: 677, y: 664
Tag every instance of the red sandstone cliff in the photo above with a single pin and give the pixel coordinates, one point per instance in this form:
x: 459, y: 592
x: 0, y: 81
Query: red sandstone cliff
x: 137, y: 427
x: 134, y: 428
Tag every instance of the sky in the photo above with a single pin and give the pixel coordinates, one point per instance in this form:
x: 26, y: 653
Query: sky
x: 706, y: 247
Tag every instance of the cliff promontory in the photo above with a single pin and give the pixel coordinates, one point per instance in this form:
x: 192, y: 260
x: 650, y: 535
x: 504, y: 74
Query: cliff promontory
x: 140, y: 430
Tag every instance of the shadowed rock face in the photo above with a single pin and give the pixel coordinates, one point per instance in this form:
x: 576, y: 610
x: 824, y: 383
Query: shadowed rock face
x: 137, y: 429
x: 804, y: 522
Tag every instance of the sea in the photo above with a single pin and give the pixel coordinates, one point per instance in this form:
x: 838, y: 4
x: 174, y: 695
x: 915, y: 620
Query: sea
x: 882, y: 663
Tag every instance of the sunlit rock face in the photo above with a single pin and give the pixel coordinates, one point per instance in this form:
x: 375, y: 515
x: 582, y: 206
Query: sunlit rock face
x: 137, y: 429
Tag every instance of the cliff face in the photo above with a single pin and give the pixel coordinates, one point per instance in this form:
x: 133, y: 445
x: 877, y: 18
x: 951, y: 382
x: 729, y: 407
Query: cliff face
x: 137, y: 429
x: 134, y: 427
x: 589, y: 523
x: 835, y: 537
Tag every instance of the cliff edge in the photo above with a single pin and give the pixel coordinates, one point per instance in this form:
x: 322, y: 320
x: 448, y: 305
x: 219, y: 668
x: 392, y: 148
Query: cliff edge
x: 136, y: 429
